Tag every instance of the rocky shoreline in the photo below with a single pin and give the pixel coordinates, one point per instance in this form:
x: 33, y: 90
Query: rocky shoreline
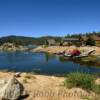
x: 42, y: 87
x: 93, y: 59
x: 12, y: 47
x: 59, y: 49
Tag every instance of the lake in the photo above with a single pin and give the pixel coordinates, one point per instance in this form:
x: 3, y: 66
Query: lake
x: 41, y: 63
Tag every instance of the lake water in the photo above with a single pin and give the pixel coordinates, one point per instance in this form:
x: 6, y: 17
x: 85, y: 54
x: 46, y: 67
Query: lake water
x: 40, y: 63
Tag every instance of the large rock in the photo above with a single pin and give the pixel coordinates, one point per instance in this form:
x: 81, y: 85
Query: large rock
x: 12, y: 90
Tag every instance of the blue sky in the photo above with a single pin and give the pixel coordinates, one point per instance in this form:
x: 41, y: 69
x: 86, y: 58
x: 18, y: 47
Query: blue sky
x: 48, y: 17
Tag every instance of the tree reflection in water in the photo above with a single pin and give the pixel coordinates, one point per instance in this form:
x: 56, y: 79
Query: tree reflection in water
x: 48, y: 56
x: 82, y: 61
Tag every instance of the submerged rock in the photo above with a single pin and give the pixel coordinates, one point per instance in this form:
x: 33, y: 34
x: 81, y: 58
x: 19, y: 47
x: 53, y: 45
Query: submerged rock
x: 12, y: 90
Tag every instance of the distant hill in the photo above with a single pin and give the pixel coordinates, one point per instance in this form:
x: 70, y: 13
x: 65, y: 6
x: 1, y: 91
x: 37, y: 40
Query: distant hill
x: 22, y: 40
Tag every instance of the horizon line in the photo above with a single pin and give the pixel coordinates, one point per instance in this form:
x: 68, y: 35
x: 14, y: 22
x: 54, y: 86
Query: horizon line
x: 76, y: 33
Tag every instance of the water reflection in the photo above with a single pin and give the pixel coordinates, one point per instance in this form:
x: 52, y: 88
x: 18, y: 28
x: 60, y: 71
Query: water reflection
x: 43, y: 63
x: 48, y: 56
x: 82, y: 62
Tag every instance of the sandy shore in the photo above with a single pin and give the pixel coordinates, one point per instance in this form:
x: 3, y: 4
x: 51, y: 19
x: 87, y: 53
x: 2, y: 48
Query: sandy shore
x: 57, y: 49
x: 41, y: 87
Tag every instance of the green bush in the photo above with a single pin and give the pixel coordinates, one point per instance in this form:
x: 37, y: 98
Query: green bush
x: 90, y: 41
x: 96, y: 88
x: 81, y: 80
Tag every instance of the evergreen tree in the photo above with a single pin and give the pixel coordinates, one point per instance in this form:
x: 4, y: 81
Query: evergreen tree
x: 90, y: 41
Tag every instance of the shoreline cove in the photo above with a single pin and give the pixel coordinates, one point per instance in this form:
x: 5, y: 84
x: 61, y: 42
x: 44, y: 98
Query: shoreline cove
x: 47, y: 64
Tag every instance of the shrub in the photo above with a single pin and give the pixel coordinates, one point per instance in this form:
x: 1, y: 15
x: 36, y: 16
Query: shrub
x: 96, y: 88
x: 81, y: 80
x: 90, y: 41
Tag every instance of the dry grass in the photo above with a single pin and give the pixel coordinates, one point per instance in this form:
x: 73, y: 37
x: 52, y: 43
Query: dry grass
x: 42, y: 87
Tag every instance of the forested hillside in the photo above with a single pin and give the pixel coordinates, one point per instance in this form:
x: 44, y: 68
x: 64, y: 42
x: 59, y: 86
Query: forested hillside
x: 21, y: 40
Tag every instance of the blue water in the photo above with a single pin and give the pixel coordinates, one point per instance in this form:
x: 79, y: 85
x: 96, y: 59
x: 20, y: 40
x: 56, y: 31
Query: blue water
x: 40, y: 63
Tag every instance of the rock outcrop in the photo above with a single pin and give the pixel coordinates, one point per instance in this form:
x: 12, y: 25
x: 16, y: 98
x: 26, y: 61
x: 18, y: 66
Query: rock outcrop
x: 11, y: 89
x: 12, y: 47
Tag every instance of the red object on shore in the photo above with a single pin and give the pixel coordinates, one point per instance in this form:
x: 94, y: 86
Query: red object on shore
x: 75, y: 52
